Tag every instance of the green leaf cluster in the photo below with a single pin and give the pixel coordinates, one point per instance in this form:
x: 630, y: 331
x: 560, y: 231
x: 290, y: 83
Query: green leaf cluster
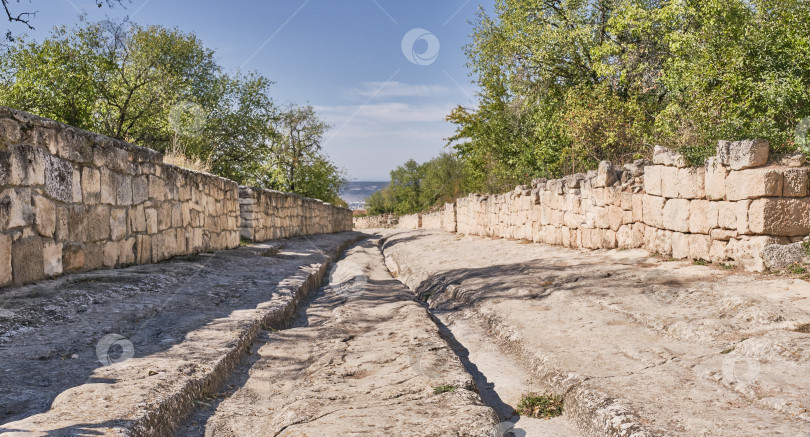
x: 565, y: 84
x: 162, y: 88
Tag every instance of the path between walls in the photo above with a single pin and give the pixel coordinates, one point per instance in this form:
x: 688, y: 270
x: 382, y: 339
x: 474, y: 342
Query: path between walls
x: 638, y: 346
x: 362, y: 357
x: 184, y: 324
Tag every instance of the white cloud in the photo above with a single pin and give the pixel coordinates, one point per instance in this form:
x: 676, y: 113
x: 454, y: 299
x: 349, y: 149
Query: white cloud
x: 398, y: 89
x: 384, y: 113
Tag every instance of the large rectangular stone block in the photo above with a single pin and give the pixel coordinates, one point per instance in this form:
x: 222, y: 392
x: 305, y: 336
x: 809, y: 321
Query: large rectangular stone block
x: 52, y: 258
x: 680, y: 245
x: 703, y: 216
x: 739, y: 155
x: 754, y: 183
x: 715, y: 179
x: 91, y: 185
x: 15, y: 208
x: 669, y: 182
x: 742, y: 217
x: 699, y: 246
x: 690, y: 183
x: 653, y: 210
x: 780, y: 216
x: 45, y: 214
x: 795, y: 182
x: 676, y: 215
x: 652, y: 179
x: 27, y: 260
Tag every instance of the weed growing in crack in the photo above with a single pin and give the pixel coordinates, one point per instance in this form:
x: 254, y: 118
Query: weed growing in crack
x: 728, y: 266
x: 539, y: 406
x: 699, y: 262
x: 444, y: 388
x: 797, y: 269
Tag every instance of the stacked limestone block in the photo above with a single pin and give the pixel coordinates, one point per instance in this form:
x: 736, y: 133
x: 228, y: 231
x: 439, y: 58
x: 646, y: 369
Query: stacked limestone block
x: 381, y: 221
x: 269, y: 215
x: 443, y: 219
x: 411, y: 221
x: 593, y: 211
x: 728, y: 210
x: 71, y: 200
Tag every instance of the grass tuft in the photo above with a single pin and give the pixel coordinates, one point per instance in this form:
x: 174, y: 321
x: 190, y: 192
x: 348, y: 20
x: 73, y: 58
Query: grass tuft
x: 700, y: 262
x: 540, y: 406
x: 797, y: 269
x: 443, y: 389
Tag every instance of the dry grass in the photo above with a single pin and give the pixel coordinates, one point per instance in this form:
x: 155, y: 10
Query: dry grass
x: 175, y: 155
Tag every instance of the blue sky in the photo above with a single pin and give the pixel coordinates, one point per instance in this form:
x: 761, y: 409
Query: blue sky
x: 344, y: 57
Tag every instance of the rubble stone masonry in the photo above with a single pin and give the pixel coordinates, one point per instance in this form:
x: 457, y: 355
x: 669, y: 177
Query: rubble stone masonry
x: 72, y: 200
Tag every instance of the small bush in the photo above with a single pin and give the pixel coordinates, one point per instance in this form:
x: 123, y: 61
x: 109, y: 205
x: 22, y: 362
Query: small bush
x: 700, y: 262
x: 540, y: 406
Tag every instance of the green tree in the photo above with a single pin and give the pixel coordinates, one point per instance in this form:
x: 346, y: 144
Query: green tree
x: 567, y: 83
x: 162, y: 88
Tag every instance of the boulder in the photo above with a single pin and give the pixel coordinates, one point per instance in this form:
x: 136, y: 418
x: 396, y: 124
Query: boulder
x: 794, y: 160
x: 780, y: 256
x: 605, y: 175
x: 739, y: 155
x: 665, y: 156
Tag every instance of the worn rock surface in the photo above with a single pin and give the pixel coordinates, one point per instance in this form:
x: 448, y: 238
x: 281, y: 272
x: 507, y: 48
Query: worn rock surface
x: 636, y: 345
x: 779, y: 256
x: 363, y: 358
x: 184, y: 325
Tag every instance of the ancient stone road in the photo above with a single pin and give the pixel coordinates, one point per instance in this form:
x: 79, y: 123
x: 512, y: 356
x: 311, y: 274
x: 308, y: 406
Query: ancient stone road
x: 362, y: 358
x: 638, y: 346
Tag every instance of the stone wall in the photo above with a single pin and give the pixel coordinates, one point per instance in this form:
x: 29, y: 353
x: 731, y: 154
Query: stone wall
x: 269, y: 215
x: 375, y: 221
x: 411, y: 221
x: 725, y: 212
x: 72, y: 200
x: 444, y: 219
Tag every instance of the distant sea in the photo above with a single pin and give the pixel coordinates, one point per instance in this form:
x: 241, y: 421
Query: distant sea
x: 355, y: 193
